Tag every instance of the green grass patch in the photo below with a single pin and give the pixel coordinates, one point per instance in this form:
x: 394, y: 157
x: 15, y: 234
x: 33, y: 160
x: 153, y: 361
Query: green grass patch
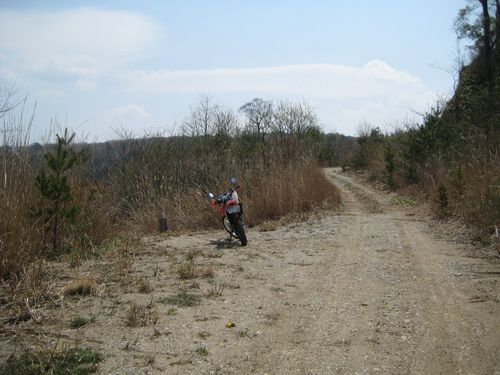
x: 202, y: 350
x: 79, y: 321
x: 404, y: 201
x: 182, y: 299
x: 172, y: 311
x: 74, y: 361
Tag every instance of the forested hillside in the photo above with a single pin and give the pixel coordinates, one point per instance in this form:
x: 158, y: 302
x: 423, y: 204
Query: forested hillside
x: 452, y: 157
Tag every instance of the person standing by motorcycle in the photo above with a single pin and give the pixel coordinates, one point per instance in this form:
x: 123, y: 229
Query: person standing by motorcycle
x: 234, y: 210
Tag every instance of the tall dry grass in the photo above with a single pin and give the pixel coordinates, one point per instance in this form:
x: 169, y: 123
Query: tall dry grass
x: 23, y: 235
x: 284, y: 190
x: 469, y: 191
x: 20, y: 234
x: 267, y: 193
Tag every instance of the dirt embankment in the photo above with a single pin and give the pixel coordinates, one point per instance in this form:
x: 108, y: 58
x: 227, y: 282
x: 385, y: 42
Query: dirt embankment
x: 372, y: 289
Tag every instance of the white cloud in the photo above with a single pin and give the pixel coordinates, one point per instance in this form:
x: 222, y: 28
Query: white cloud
x: 344, y: 96
x: 86, y: 84
x: 77, y: 43
x: 84, y: 31
x: 130, y: 111
x: 325, y: 80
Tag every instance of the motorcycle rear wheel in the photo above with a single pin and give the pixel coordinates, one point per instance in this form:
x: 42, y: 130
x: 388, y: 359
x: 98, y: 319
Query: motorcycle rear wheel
x: 238, y: 232
x: 240, y: 229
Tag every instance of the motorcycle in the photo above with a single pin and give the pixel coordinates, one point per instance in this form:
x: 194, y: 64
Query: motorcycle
x: 238, y: 229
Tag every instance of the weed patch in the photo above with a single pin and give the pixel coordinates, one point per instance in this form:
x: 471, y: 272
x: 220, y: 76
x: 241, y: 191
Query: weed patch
x: 404, y: 201
x: 186, y: 270
x: 79, y: 321
x: 215, y: 290
x: 172, y: 311
x: 204, y: 334
x: 183, y: 299
x: 144, y: 286
x: 74, y: 361
x: 202, y: 350
x: 141, y: 316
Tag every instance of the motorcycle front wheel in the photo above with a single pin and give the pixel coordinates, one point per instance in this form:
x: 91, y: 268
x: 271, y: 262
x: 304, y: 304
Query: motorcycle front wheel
x: 228, y: 227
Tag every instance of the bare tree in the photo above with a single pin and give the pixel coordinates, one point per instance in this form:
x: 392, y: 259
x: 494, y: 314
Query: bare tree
x: 259, y: 115
x: 291, y: 122
x: 293, y: 118
x: 225, y: 122
x: 15, y: 133
x: 200, y: 121
x: 7, y: 101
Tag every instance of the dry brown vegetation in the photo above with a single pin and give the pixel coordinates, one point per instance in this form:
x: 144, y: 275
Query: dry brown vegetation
x: 119, y: 191
x: 80, y: 286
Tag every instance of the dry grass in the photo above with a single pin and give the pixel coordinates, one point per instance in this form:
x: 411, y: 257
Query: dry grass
x: 189, y: 270
x: 123, y: 257
x: 469, y: 192
x: 24, y: 293
x: 215, y: 290
x: 273, y: 197
x: 141, y: 316
x: 20, y: 235
x: 186, y: 270
x: 206, y: 271
x: 144, y: 286
x: 269, y: 226
x: 81, y: 286
x: 272, y: 317
x: 267, y: 194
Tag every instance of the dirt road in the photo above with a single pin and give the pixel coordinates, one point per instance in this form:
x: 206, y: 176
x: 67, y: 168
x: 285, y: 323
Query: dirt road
x: 373, y: 289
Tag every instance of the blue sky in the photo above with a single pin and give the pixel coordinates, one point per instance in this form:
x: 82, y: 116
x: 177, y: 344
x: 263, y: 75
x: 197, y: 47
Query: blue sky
x: 96, y: 66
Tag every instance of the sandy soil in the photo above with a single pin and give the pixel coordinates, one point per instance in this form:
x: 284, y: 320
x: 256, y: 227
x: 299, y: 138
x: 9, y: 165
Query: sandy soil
x: 372, y: 289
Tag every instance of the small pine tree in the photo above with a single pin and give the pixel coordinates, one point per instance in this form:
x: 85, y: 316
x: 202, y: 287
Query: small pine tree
x: 390, y: 164
x: 52, y: 181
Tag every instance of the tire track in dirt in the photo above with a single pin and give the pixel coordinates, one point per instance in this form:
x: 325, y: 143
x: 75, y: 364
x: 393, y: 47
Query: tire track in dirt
x: 380, y: 300
x: 450, y: 334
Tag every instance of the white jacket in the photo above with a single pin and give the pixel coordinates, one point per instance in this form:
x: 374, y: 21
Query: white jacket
x: 233, y: 209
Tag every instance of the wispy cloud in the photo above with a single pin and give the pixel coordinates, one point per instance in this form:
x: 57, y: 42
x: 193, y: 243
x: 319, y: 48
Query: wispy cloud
x: 343, y: 95
x: 76, y: 43
x: 131, y: 110
x: 375, y: 79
